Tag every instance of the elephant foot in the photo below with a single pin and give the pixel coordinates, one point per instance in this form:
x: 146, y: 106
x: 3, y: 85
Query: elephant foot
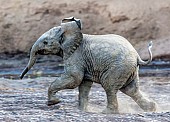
x: 150, y: 107
x: 147, y: 105
x: 110, y: 111
x: 82, y: 108
x: 83, y: 105
x: 53, y: 102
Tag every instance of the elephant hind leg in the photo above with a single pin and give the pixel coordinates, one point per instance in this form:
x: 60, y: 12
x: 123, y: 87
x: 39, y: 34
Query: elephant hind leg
x: 132, y: 90
x: 111, y: 93
x: 112, y: 104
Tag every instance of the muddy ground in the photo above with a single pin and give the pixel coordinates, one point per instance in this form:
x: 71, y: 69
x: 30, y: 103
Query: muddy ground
x: 25, y: 100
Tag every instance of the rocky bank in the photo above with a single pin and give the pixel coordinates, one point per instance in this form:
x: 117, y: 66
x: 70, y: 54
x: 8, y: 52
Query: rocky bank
x: 22, y: 22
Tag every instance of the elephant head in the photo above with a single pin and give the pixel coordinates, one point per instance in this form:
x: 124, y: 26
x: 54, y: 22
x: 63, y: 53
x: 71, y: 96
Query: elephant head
x: 62, y: 41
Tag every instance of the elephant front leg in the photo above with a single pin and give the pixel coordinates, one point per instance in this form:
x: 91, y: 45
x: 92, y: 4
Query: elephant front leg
x: 64, y: 82
x: 84, y: 90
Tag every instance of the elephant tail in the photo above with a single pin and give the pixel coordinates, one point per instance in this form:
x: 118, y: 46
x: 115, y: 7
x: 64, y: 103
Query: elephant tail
x: 140, y: 61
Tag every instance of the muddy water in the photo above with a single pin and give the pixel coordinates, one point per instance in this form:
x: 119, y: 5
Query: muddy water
x: 11, y: 67
x: 23, y: 100
x: 53, y: 66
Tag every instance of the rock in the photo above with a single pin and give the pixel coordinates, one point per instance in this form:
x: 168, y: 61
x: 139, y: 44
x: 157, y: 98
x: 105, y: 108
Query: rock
x: 22, y: 22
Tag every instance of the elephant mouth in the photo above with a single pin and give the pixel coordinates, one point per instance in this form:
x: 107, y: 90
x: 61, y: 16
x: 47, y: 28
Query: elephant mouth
x: 47, y: 52
x: 41, y: 52
x: 44, y: 52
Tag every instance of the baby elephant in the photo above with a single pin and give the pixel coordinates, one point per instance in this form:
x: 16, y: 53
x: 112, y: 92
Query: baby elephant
x: 109, y: 60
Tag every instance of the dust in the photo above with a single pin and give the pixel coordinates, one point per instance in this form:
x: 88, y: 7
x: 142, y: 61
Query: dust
x: 127, y: 105
x: 157, y: 89
x: 95, y: 108
x: 151, y: 88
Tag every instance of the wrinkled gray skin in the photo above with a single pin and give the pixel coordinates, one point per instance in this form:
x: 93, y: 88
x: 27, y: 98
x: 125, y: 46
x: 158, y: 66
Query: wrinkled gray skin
x: 109, y: 60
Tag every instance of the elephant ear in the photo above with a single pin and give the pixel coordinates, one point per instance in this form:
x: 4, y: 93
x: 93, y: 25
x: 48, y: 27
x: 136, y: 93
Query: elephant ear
x: 72, y: 35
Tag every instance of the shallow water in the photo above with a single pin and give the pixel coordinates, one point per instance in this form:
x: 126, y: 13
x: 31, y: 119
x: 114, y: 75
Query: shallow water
x: 158, y: 68
x: 53, y: 66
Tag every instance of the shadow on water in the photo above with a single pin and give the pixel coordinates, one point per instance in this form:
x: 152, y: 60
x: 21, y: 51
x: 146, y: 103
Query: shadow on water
x: 12, y: 66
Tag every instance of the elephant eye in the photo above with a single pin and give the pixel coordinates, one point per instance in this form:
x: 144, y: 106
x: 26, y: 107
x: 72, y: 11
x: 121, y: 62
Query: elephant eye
x: 45, y: 42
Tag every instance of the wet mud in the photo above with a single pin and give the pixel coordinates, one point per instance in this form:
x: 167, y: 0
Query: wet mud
x: 25, y: 100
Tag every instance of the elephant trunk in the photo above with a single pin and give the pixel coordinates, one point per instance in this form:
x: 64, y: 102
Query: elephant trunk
x: 31, y: 60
